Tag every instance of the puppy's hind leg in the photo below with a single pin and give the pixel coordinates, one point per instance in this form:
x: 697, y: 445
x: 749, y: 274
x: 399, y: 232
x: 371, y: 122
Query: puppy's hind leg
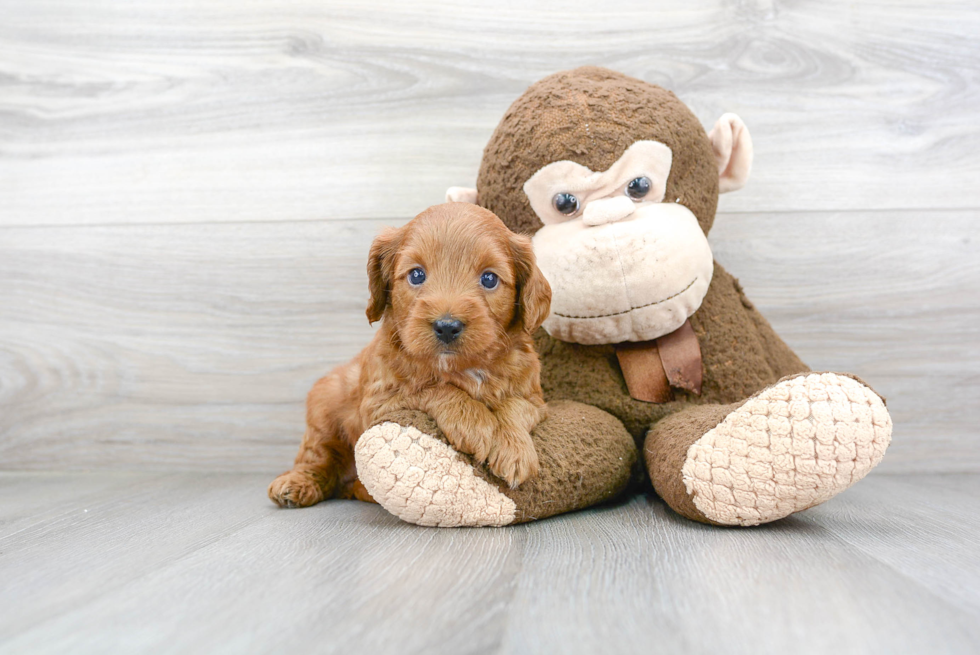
x: 325, y: 456
x: 316, y: 473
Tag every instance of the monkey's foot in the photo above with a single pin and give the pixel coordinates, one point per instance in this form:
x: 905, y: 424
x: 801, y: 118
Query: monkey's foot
x: 422, y: 480
x: 790, y: 447
x: 409, y: 468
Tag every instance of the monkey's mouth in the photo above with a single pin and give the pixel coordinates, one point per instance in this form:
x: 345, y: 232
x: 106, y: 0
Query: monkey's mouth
x: 631, y: 309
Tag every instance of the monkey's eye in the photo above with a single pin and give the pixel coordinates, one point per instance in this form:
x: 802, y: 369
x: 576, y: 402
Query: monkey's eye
x: 565, y: 203
x: 489, y: 280
x: 416, y: 276
x: 638, y: 187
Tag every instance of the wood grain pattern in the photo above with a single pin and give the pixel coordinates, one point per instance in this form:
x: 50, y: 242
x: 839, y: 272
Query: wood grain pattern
x: 639, y: 577
x: 163, y: 111
x: 193, y: 563
x: 248, y: 140
x: 932, y: 515
x: 153, y: 347
x: 98, y: 533
x: 893, y: 297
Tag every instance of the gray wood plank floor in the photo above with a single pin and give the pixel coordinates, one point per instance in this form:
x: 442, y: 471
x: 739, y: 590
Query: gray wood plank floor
x: 196, y: 563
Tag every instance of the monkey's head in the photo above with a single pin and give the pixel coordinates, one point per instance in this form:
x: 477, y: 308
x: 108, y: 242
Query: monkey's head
x: 618, y: 182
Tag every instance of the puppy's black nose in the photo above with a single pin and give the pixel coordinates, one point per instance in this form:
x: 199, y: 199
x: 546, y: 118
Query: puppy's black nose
x: 447, y: 329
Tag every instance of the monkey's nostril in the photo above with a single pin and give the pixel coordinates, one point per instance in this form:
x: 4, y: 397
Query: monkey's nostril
x: 447, y: 329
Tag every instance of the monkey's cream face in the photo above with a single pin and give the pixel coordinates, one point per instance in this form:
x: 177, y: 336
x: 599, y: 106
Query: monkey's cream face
x: 623, y: 265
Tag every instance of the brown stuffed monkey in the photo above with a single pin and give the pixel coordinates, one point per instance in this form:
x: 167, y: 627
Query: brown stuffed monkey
x: 651, y: 347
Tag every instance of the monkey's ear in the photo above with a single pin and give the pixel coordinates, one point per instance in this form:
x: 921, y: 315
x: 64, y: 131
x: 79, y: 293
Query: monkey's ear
x: 461, y: 194
x: 733, y: 151
x: 533, y: 290
x: 380, y: 270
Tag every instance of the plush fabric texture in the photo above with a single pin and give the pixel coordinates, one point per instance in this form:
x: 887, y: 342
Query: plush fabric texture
x: 406, y: 464
x: 421, y: 479
x: 461, y: 194
x: 666, y: 452
x: 741, y: 355
x: 590, y: 116
x: 608, y: 210
x: 594, y: 189
x: 792, y: 446
x: 634, y: 279
x: 754, y: 389
x: 732, y: 145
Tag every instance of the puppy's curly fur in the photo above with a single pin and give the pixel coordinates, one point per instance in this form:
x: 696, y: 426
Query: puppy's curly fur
x: 482, y: 387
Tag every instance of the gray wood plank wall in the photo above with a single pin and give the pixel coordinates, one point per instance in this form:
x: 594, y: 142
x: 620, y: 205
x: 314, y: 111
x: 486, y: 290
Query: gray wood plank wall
x: 188, y: 191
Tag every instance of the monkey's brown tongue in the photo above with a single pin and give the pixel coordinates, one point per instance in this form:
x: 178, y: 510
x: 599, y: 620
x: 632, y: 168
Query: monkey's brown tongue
x: 651, y: 368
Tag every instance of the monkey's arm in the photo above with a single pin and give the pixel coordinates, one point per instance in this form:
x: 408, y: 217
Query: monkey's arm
x: 407, y: 464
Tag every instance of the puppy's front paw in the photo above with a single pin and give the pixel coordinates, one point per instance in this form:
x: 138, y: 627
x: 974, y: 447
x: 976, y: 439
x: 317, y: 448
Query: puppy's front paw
x: 513, y: 458
x: 477, y: 441
x: 295, y: 489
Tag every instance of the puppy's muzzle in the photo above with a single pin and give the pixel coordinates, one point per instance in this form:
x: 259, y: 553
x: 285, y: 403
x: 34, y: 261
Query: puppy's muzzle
x: 447, y: 329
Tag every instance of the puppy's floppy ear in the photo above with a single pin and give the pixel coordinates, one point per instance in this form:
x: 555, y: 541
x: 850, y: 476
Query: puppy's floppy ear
x: 533, y: 291
x: 380, y: 270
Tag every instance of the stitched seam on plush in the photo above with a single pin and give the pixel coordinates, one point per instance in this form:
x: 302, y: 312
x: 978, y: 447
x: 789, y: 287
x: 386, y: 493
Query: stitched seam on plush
x: 626, y: 285
x: 627, y: 311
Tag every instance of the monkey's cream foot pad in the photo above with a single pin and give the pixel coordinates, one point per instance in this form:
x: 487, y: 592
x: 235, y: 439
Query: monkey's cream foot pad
x: 422, y: 480
x: 790, y: 447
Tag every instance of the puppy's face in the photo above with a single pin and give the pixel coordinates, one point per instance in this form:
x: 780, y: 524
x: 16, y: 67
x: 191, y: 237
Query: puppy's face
x: 455, y: 281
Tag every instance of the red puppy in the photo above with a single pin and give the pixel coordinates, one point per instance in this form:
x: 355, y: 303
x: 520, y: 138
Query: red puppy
x: 458, y: 296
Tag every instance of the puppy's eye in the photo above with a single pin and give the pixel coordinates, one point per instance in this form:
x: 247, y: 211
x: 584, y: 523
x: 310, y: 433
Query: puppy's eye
x: 638, y: 187
x: 565, y: 203
x: 489, y: 280
x: 416, y: 276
